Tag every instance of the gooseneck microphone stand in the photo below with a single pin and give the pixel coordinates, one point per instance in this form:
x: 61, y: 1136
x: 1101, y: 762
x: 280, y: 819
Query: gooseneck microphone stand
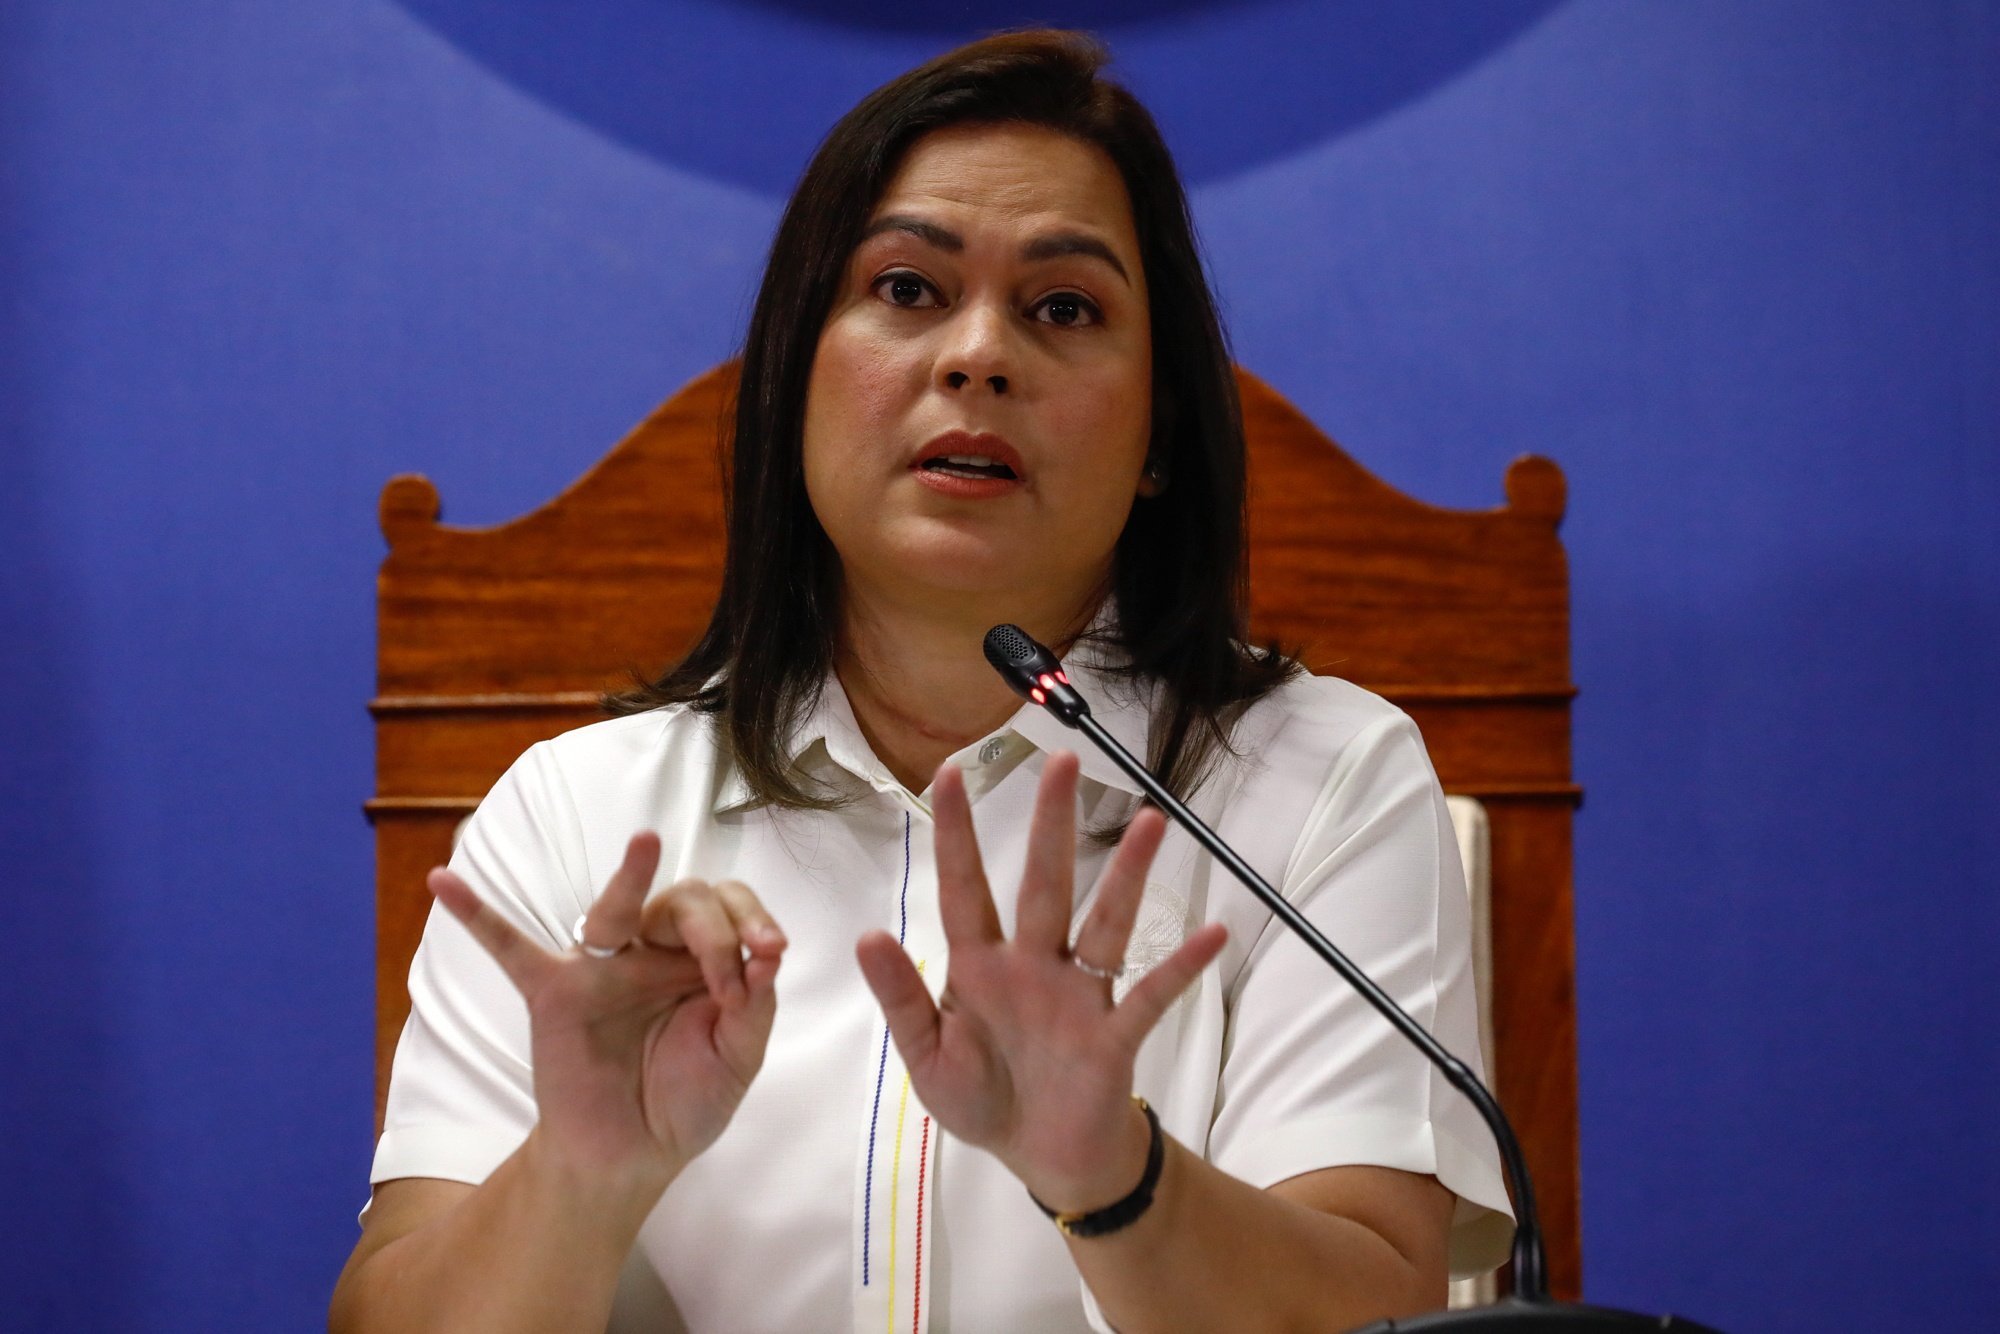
x: 1035, y: 674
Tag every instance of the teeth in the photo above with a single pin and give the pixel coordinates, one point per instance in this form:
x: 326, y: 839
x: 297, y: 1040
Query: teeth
x: 972, y: 460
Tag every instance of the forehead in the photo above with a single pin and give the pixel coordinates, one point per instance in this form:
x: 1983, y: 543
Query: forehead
x: 1020, y: 175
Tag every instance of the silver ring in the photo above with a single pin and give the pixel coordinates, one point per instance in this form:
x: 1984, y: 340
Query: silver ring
x: 594, y: 951
x: 1101, y: 974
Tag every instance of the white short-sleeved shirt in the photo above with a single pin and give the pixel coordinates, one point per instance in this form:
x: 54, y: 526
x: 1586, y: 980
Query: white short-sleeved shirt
x: 833, y: 1199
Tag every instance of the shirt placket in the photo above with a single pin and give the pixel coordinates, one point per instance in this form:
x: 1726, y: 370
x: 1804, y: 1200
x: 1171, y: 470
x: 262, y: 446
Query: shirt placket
x: 896, y: 1169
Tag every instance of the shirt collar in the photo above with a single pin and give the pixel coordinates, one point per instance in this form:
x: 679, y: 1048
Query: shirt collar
x: 827, y: 742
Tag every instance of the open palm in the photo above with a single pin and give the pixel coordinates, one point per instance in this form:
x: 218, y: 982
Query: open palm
x: 1025, y: 1054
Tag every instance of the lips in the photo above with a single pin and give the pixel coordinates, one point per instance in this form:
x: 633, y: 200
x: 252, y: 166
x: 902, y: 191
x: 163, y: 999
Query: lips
x: 961, y: 456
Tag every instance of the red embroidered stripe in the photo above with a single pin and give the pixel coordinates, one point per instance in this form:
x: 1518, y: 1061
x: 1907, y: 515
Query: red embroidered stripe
x: 917, y: 1299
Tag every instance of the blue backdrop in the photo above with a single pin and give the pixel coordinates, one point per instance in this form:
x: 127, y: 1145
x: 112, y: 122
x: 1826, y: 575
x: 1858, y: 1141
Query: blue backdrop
x: 1733, y: 265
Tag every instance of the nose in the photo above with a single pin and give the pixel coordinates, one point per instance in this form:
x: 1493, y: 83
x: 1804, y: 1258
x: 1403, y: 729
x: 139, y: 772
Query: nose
x: 959, y: 379
x: 976, y: 350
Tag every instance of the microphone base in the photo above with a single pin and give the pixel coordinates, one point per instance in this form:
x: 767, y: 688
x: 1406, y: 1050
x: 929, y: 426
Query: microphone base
x: 1511, y: 1315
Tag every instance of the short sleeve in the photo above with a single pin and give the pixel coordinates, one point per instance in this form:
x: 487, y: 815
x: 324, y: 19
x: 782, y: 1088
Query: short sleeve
x: 1312, y: 1077
x: 461, y: 1092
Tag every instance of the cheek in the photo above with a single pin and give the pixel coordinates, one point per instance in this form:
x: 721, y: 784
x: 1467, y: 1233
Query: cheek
x: 853, y: 400
x: 1114, y: 414
x: 858, y: 382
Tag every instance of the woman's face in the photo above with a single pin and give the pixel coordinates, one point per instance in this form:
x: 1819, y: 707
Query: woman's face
x: 979, y: 408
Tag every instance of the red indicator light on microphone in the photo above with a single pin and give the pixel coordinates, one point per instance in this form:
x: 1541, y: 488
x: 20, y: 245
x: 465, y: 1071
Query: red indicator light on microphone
x: 1063, y: 677
x: 1048, y: 682
x: 1036, y: 695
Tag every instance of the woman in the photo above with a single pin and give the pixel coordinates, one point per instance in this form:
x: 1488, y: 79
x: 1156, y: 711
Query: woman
x: 792, y: 1050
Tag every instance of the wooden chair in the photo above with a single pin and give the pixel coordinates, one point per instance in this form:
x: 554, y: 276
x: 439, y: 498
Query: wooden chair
x: 492, y: 639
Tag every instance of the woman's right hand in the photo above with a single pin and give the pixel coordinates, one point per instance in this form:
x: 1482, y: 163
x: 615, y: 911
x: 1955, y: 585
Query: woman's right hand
x: 640, y: 1059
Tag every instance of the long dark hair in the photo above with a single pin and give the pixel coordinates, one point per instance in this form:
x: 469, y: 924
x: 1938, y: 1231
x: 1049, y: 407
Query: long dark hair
x: 1180, y: 580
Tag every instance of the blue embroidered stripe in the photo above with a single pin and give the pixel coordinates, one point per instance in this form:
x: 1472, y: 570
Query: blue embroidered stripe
x: 881, y: 1067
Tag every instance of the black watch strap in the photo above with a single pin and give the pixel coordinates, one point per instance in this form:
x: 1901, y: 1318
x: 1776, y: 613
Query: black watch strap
x: 1125, y: 1212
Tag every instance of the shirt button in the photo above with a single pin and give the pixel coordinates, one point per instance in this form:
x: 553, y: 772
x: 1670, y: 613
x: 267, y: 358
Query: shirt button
x: 992, y: 750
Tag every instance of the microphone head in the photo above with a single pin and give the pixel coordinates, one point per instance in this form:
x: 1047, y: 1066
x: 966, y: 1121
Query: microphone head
x: 1033, y: 673
x: 1018, y: 657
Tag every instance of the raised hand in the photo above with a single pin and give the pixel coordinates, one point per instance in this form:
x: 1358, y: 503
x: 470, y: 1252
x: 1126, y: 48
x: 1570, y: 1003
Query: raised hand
x: 640, y: 1058
x: 1025, y: 1054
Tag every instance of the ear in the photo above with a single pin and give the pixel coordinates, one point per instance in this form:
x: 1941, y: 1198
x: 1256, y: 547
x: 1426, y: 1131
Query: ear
x: 1154, y: 479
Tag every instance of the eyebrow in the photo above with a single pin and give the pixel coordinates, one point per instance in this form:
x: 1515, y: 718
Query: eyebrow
x: 1057, y: 244
x: 917, y: 227
x: 1052, y: 246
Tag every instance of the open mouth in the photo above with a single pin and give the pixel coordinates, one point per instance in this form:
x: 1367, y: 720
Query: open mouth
x: 969, y: 465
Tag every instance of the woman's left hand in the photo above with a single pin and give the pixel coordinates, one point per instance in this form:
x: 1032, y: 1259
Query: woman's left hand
x: 1025, y: 1054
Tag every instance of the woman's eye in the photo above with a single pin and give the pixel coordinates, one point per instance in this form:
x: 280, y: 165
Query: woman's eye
x: 905, y: 289
x: 1067, y: 309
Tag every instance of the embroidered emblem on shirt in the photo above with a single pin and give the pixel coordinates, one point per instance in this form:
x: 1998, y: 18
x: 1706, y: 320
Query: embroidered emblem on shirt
x: 1159, y: 930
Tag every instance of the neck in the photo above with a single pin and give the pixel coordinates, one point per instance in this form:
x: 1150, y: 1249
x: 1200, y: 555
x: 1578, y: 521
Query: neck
x: 917, y: 677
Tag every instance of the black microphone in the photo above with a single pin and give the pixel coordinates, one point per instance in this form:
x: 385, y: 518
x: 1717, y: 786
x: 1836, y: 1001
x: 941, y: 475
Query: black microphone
x: 1037, y: 675
x: 1034, y: 673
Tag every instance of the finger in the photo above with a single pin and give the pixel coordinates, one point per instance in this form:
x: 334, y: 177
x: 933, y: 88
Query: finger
x: 689, y: 919
x: 524, y: 962
x: 965, y: 902
x: 657, y: 924
x: 690, y: 916
x: 899, y: 989
x: 614, y: 919
x: 1102, y: 938
x: 1042, y: 912
x: 743, y: 1032
x: 755, y: 926
x: 1152, y: 994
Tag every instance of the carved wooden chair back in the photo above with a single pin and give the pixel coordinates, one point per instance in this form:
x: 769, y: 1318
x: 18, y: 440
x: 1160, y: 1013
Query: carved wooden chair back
x: 493, y: 639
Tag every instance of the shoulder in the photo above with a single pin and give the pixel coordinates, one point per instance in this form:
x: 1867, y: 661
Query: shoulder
x: 1322, y: 715
x: 1317, y: 747
x: 672, y: 747
x: 632, y: 734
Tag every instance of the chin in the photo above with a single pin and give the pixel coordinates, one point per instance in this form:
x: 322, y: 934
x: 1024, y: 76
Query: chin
x: 957, y: 563
x: 959, y: 572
